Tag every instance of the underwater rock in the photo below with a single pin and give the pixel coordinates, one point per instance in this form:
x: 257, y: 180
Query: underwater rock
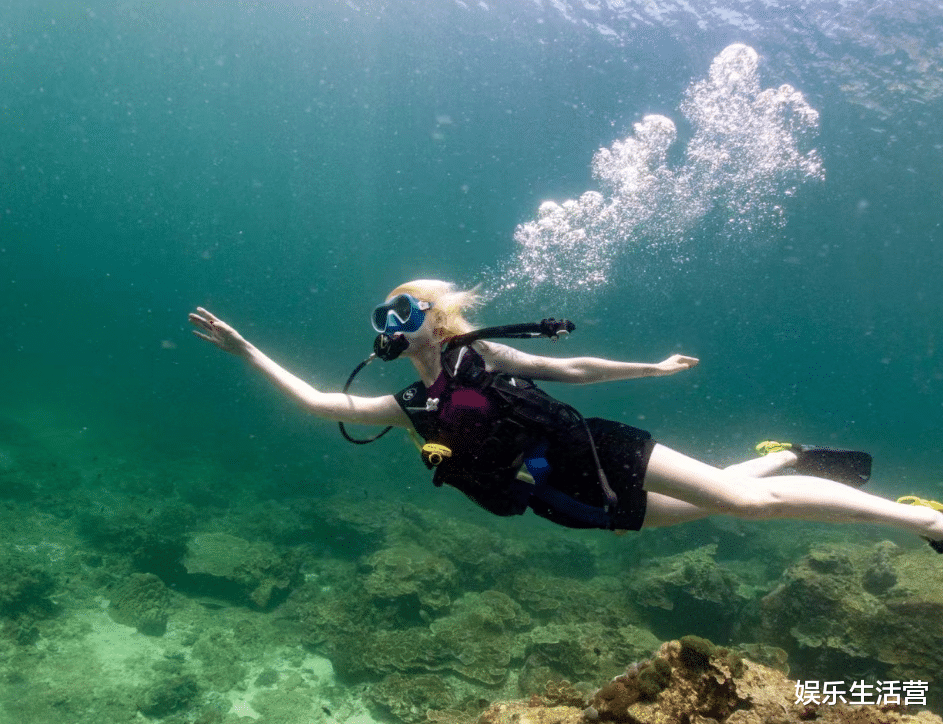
x: 339, y: 618
x: 151, y: 543
x: 222, y: 659
x: 142, y: 601
x: 25, y: 597
x: 477, y: 636
x: 484, y: 559
x: 231, y: 567
x: 361, y: 638
x: 581, y: 652
x: 167, y: 696
x: 351, y: 527
x: 878, y: 603
x: 409, y: 698
x: 474, y: 640
x: 771, y: 656
x: 410, y: 571
x: 692, y: 680
x: 690, y: 587
x: 385, y: 651
x: 565, y: 600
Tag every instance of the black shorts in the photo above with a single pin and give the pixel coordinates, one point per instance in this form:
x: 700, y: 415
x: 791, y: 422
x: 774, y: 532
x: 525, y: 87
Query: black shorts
x: 623, y: 451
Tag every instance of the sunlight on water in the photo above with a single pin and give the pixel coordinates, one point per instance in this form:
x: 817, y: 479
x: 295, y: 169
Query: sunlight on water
x: 749, y: 150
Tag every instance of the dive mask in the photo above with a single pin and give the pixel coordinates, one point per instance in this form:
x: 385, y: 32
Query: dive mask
x: 403, y: 313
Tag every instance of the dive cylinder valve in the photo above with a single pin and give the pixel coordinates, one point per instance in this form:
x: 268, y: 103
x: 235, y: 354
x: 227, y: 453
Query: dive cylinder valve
x: 433, y: 454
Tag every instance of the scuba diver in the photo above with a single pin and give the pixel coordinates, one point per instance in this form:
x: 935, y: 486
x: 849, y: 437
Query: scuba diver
x: 490, y: 432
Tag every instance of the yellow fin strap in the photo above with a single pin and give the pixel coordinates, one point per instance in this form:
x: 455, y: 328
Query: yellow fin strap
x: 771, y: 446
x: 914, y: 500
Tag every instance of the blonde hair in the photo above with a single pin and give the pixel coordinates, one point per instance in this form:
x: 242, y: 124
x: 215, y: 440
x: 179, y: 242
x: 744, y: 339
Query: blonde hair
x: 448, y: 304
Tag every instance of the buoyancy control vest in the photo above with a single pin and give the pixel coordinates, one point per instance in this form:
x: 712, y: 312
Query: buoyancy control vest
x: 489, y: 422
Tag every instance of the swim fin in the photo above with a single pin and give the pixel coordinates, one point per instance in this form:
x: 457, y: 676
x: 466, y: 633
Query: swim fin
x: 850, y: 467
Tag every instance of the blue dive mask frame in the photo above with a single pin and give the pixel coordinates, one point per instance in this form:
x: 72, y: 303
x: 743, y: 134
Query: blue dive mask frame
x: 403, y: 313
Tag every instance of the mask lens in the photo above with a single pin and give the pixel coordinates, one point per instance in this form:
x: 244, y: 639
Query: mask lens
x: 403, y: 308
x: 379, y: 317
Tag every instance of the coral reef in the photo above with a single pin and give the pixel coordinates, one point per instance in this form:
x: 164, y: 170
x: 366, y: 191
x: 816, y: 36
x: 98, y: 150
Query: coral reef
x: 580, y: 652
x: 771, y: 656
x: 168, y: 695
x: 223, y: 660
x: 691, y: 680
x: 25, y: 596
x: 692, y: 587
x: 483, y: 559
x: 24, y: 587
x: 408, y: 698
x: 853, y: 605
x: 475, y: 639
x: 352, y: 528
x: 232, y: 567
x: 141, y: 601
x: 408, y: 571
x: 560, y: 599
x: 150, y: 543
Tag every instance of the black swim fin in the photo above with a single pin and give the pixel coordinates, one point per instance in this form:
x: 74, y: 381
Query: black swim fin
x: 851, y: 467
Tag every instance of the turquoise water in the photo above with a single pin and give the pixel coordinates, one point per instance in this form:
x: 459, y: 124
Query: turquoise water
x: 286, y: 163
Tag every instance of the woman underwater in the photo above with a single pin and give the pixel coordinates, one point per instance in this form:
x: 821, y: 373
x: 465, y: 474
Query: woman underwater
x: 477, y: 403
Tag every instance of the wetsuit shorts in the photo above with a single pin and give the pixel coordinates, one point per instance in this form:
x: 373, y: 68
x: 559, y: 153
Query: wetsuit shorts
x: 623, y: 451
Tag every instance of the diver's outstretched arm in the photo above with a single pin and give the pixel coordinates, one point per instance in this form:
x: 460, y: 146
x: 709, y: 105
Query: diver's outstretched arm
x: 332, y: 405
x: 578, y: 370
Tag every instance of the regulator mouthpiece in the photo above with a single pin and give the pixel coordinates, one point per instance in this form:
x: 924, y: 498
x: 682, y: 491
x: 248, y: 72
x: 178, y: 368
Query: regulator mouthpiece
x: 388, y: 347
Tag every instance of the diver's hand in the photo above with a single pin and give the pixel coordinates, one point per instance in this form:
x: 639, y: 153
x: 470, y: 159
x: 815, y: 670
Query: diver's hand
x: 215, y: 330
x: 676, y: 363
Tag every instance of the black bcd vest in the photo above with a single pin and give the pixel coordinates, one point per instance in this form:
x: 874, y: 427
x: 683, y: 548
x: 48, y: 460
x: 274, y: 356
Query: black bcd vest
x: 488, y: 450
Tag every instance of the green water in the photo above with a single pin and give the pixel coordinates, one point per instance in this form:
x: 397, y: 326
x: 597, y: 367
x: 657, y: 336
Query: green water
x: 285, y: 164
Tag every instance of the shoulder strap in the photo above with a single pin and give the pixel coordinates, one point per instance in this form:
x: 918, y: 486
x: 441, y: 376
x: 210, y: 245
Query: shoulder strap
x: 414, y: 401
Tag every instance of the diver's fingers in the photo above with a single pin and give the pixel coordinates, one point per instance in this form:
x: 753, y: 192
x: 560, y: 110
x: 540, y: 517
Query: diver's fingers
x: 208, y: 314
x: 197, y: 321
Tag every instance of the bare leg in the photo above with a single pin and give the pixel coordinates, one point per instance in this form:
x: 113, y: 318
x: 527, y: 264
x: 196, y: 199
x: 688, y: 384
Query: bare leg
x: 762, y: 467
x: 662, y: 511
x: 782, y: 496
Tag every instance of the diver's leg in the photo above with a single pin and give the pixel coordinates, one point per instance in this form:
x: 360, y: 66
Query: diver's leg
x: 762, y: 467
x: 782, y: 496
x: 661, y: 511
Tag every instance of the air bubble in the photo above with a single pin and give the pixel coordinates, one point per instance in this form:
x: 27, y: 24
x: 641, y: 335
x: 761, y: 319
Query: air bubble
x: 749, y: 150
